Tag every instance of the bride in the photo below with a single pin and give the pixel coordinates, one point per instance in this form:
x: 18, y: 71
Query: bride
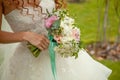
x: 26, y: 20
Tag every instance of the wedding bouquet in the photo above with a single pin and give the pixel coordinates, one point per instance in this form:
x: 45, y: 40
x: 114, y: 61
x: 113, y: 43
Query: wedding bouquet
x: 64, y: 33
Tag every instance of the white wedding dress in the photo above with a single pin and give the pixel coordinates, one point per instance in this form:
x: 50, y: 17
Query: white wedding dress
x: 20, y: 64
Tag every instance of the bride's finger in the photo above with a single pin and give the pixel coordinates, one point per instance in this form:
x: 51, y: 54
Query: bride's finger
x: 40, y: 46
x: 45, y: 45
x: 45, y: 41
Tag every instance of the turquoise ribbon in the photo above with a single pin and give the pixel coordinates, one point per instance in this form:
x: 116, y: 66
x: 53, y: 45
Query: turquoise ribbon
x: 52, y: 56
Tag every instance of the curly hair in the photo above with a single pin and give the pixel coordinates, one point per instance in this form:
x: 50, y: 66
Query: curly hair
x: 36, y: 7
x: 60, y: 4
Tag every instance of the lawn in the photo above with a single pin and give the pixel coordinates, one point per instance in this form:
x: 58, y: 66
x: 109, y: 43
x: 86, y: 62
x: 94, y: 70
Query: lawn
x: 86, y: 16
x: 115, y: 66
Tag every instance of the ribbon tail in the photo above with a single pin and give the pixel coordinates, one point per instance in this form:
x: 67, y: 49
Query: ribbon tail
x: 52, y: 59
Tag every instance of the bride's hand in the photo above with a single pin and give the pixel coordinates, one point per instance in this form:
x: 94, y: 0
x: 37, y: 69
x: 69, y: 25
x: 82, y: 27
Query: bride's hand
x: 37, y: 40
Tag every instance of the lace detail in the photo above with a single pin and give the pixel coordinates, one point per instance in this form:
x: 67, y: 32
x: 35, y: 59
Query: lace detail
x: 32, y: 22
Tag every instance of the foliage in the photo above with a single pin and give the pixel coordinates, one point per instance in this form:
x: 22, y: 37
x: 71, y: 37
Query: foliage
x: 86, y: 15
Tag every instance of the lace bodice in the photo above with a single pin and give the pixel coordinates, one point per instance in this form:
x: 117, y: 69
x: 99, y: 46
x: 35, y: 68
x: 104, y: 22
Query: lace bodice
x: 20, y: 22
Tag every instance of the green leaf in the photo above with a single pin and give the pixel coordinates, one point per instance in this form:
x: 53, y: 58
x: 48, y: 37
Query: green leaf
x: 56, y: 25
x: 31, y: 47
x: 36, y: 52
x: 48, y: 12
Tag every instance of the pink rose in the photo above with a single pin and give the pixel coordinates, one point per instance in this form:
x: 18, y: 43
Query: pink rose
x: 57, y: 38
x: 76, y: 34
x: 49, y: 21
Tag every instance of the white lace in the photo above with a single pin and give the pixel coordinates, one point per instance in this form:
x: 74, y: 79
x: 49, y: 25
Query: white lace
x: 27, y: 22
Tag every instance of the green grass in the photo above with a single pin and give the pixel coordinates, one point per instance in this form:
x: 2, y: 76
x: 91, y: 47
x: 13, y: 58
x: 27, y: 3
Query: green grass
x: 115, y: 66
x: 86, y: 16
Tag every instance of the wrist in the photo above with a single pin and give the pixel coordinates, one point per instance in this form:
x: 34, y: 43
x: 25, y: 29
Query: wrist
x: 25, y: 36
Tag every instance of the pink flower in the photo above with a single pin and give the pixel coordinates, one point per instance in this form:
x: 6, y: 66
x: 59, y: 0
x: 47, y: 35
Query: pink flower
x: 76, y: 34
x: 49, y: 21
x: 57, y: 38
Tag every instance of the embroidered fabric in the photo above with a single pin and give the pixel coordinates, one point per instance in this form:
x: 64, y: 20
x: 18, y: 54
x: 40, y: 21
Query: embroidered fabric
x: 34, y: 21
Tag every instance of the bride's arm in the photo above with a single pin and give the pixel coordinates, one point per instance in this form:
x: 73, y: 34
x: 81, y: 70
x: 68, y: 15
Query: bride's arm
x: 37, y: 40
x: 8, y: 37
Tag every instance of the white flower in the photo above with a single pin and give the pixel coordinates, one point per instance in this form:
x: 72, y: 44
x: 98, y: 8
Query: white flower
x: 67, y: 49
x: 66, y: 39
x: 69, y: 36
x: 69, y: 20
x: 67, y: 29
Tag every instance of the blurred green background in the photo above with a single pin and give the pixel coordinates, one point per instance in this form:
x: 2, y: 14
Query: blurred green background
x: 86, y: 15
x: 89, y: 15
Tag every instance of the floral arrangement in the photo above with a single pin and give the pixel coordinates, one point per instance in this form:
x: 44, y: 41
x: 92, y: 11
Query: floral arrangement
x: 64, y: 32
x: 64, y: 37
